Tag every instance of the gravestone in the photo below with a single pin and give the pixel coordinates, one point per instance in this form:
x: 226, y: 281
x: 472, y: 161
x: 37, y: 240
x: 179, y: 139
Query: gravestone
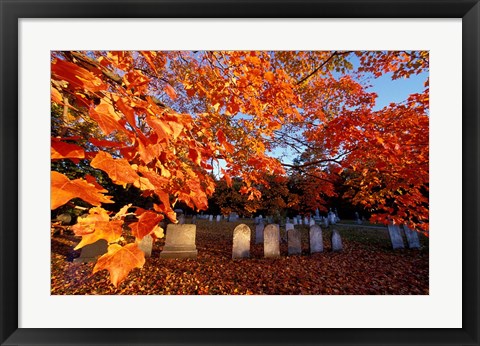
x: 259, y: 233
x: 312, y: 222
x: 241, y: 241
x: 194, y: 218
x: 288, y: 227
x: 181, y: 219
x: 294, y: 221
x: 336, y: 241
x: 271, y: 241
x: 395, y: 236
x: 180, y: 242
x: 316, y: 239
x: 305, y: 221
x: 219, y: 217
x: 146, y: 245
x: 412, y: 238
x: 210, y: 217
x: 91, y: 252
x: 325, y: 222
x: 294, y: 242
x: 65, y: 219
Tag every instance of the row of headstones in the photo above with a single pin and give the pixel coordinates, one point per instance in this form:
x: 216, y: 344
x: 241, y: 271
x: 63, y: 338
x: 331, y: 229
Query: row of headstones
x: 233, y: 217
x: 397, y: 240
x: 270, y: 237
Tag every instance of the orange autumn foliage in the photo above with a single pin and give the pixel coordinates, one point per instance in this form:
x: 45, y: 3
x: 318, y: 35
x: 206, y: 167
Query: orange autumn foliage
x: 161, y: 121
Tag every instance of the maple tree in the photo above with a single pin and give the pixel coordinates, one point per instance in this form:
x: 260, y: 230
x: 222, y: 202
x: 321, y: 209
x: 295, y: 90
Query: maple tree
x: 161, y: 122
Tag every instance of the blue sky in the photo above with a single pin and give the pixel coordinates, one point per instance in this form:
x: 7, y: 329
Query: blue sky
x: 398, y: 90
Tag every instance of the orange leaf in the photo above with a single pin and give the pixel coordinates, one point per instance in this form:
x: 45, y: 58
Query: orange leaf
x: 64, y: 189
x: 86, y: 224
x: 146, y: 224
x: 269, y: 76
x: 194, y: 154
x: 170, y: 91
x: 119, y: 261
x: 111, y: 231
x: 107, y: 119
x: 119, y: 170
x: 62, y: 150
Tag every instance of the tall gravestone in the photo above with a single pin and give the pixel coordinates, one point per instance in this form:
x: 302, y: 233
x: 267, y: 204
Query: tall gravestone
x: 316, y: 239
x: 146, y: 245
x: 180, y: 242
x: 271, y: 241
x: 241, y: 241
x: 395, y: 236
x: 336, y: 241
x: 294, y: 242
x: 259, y: 233
x: 91, y: 252
x: 412, y: 238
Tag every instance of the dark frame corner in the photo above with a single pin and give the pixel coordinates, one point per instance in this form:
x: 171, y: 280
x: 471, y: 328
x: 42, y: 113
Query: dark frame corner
x: 12, y: 10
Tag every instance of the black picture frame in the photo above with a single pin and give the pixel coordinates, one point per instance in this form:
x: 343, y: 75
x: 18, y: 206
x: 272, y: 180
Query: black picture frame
x: 12, y: 11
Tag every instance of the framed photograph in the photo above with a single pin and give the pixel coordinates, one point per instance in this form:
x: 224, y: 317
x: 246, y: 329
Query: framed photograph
x: 59, y: 56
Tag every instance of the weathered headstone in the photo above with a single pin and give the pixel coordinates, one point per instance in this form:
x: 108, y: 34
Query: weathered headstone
x: 259, y: 233
x: 412, y: 238
x: 64, y: 218
x: 316, y: 239
x: 395, y: 236
x: 180, y: 242
x: 294, y: 242
x: 336, y: 241
x: 271, y: 241
x: 241, y: 241
x: 91, y: 252
x: 146, y: 245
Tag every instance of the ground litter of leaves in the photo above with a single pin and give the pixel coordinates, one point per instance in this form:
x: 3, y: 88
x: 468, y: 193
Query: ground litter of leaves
x: 367, y: 265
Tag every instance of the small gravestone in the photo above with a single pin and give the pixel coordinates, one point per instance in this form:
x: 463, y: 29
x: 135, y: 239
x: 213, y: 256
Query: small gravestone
x: 336, y: 241
x: 210, y: 217
x: 325, y: 222
x: 312, y: 222
x: 294, y: 221
x: 65, y: 219
x: 91, y: 252
x: 412, y: 238
x: 294, y: 242
x: 241, y: 241
x: 395, y: 236
x: 219, y: 217
x: 259, y: 233
x: 194, y: 218
x: 146, y: 245
x: 316, y: 239
x: 181, y: 219
x: 288, y: 227
x: 180, y: 242
x: 271, y: 241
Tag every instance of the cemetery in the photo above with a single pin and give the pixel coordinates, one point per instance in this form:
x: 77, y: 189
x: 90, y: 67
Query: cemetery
x: 239, y: 172
x: 229, y: 258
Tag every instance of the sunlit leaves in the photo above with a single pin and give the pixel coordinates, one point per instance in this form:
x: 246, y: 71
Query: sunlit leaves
x: 119, y: 261
x: 64, y: 189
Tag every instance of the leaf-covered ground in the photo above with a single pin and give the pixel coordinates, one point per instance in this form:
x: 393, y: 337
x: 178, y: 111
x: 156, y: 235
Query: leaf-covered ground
x: 367, y: 265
